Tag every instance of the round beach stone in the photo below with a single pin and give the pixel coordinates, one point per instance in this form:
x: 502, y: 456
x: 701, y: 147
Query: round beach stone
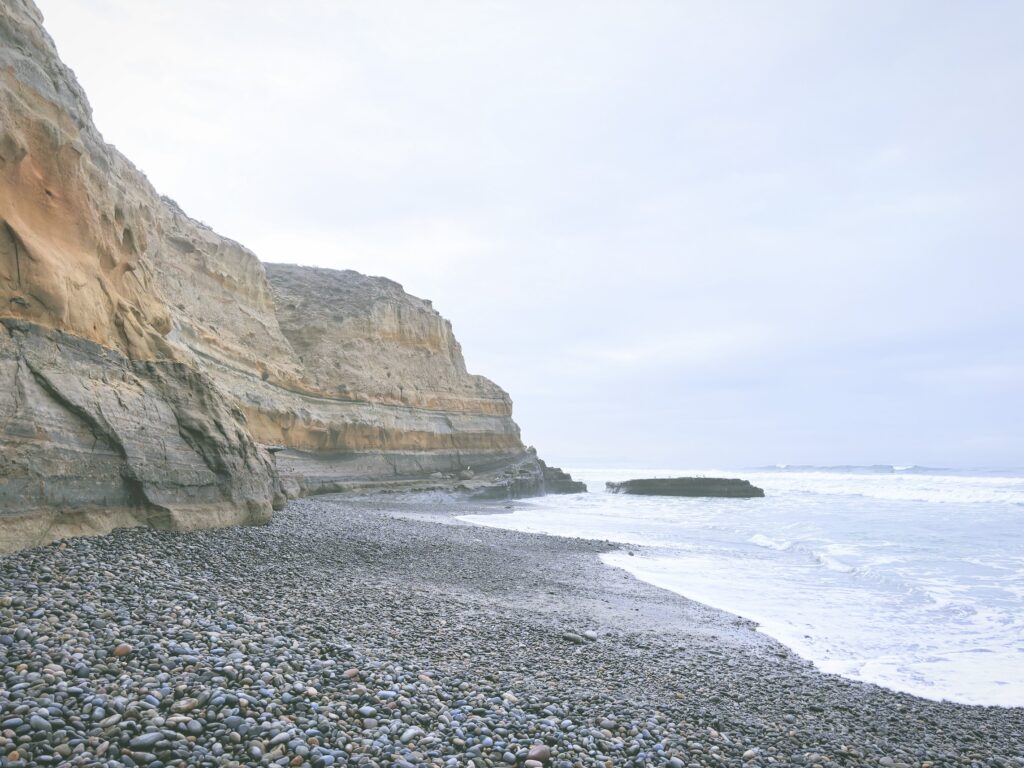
x: 539, y: 752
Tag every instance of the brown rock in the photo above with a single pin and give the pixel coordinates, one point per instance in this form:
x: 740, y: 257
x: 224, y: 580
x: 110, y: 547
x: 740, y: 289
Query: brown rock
x: 122, y: 650
x: 183, y: 706
x: 539, y: 752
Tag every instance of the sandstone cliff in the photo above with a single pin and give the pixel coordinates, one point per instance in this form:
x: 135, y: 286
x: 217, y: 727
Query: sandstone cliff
x: 387, y: 391
x: 146, y: 362
x: 105, y: 421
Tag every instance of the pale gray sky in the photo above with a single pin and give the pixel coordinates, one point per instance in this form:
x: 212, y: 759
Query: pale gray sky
x: 679, y: 233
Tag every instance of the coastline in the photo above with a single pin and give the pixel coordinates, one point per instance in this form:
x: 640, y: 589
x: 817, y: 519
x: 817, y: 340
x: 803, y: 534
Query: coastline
x: 467, y: 643
x: 850, y: 571
x: 791, y: 639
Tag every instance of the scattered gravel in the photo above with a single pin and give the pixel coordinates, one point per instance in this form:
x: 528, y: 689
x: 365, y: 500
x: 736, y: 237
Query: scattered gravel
x: 368, y: 632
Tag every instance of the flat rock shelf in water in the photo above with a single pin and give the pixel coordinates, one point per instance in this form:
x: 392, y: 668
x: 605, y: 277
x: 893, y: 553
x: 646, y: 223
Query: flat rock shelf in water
x: 688, y: 486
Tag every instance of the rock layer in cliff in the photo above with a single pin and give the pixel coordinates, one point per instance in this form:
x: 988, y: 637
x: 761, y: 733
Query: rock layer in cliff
x: 92, y: 440
x: 384, y: 388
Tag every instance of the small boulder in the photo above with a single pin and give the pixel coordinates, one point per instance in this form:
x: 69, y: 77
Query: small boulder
x: 411, y: 733
x: 184, y: 706
x: 539, y: 752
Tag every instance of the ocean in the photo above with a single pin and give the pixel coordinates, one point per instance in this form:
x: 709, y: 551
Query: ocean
x: 908, y: 577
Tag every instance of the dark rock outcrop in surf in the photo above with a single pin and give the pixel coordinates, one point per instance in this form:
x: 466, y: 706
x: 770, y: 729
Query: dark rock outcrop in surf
x: 688, y: 486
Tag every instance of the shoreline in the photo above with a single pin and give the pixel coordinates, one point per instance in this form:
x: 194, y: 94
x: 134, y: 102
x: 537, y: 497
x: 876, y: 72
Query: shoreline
x: 760, y: 625
x: 780, y: 635
x: 829, y: 591
x: 468, y: 643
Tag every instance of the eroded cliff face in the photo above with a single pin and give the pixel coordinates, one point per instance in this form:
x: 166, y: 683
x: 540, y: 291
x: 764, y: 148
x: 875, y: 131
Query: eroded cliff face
x: 104, y: 420
x: 385, y: 387
x: 93, y: 440
x: 146, y: 362
x: 365, y: 338
x: 353, y: 378
x: 74, y: 215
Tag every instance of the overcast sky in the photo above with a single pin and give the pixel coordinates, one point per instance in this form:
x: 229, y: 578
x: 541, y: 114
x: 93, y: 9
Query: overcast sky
x: 679, y: 233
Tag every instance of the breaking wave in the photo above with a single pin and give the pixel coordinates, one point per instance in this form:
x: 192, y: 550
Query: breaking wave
x: 904, y: 576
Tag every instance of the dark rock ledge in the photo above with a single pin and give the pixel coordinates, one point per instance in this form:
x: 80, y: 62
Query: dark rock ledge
x: 688, y: 486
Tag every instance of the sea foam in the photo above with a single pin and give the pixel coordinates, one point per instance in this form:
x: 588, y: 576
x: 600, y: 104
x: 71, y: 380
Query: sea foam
x: 890, y: 575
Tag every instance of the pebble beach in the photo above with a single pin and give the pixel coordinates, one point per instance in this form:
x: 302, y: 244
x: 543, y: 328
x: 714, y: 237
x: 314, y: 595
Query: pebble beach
x: 379, y: 631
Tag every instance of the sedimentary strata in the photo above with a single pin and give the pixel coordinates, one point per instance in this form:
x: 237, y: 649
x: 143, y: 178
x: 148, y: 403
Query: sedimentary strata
x: 93, y: 440
x: 146, y: 362
x: 688, y: 486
